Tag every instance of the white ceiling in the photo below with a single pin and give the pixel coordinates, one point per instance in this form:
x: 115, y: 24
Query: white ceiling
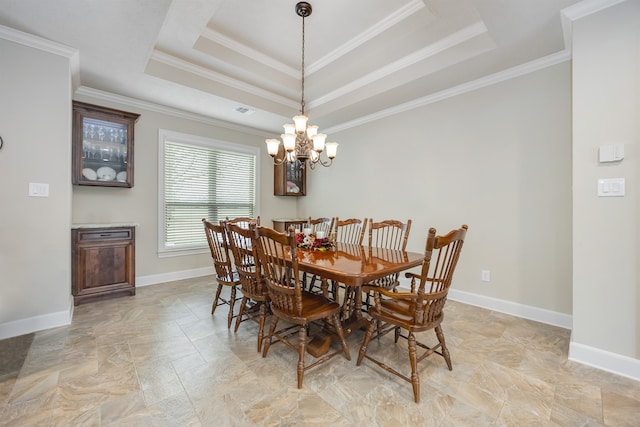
x: 362, y: 57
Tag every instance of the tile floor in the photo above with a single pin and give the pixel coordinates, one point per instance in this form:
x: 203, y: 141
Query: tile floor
x: 160, y: 359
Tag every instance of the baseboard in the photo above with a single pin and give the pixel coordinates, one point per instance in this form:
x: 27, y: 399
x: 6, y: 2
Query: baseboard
x: 508, y: 307
x: 154, y: 279
x: 37, y: 323
x: 53, y: 320
x: 604, y: 360
x: 513, y: 308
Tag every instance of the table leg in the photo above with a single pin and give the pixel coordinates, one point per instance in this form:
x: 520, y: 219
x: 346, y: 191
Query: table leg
x: 353, y: 320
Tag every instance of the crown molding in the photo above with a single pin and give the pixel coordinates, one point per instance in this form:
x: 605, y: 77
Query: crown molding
x: 517, y: 71
x: 208, y: 74
x: 245, y: 50
x: 580, y: 10
x: 45, y: 45
x: 441, y: 45
x: 174, y: 112
x: 587, y: 7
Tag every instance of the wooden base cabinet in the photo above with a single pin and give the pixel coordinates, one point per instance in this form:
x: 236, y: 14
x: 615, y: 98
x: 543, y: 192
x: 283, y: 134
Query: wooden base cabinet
x: 103, y: 263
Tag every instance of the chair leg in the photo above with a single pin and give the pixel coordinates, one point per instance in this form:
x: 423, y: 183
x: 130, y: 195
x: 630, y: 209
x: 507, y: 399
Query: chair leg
x: 215, y: 300
x: 347, y: 303
x: 232, y: 302
x: 263, y: 315
x: 338, y: 326
x: 413, y: 358
x: 365, y: 342
x: 445, y: 350
x: 243, y: 306
x: 272, y: 329
x: 302, y: 345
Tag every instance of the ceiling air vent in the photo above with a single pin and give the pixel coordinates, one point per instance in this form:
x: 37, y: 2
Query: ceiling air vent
x: 244, y: 110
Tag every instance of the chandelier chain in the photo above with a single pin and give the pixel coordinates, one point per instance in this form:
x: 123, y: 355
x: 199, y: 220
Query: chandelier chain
x: 302, y: 101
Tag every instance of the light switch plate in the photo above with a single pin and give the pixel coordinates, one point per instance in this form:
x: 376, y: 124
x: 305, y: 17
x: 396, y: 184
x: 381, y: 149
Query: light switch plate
x: 611, y: 187
x: 38, y: 190
x: 611, y: 153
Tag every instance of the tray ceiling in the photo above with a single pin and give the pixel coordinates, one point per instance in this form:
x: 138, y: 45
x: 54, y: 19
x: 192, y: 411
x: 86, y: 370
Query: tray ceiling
x: 362, y: 57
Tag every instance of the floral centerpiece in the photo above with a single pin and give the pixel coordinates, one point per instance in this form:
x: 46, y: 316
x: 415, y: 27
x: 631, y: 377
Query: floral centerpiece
x: 312, y: 242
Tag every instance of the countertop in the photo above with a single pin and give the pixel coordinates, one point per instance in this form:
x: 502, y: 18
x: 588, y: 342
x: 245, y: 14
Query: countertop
x: 105, y: 225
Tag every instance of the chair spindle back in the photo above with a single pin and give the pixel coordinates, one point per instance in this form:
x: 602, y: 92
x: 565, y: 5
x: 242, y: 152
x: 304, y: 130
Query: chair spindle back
x: 350, y: 230
x: 281, y: 275
x: 390, y: 234
x: 217, y: 240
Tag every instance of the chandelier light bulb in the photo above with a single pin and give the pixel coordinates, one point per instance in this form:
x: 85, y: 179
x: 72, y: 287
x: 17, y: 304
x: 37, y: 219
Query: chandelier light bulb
x: 332, y: 149
x: 312, y: 131
x: 301, y: 123
x: 272, y: 146
x: 289, y: 128
x: 318, y: 142
x: 289, y: 141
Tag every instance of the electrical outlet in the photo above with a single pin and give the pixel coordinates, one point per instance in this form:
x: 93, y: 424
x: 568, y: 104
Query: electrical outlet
x: 485, y: 275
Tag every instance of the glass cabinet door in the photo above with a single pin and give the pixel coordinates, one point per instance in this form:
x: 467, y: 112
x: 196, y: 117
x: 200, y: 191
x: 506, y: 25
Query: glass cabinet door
x: 290, y: 179
x: 102, y: 146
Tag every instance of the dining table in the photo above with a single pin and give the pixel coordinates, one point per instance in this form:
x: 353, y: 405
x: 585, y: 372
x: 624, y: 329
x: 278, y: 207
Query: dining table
x: 352, y: 265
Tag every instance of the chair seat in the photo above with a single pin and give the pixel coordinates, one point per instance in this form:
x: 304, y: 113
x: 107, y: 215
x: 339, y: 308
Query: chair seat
x: 314, y: 307
x: 232, y: 279
x: 400, y: 313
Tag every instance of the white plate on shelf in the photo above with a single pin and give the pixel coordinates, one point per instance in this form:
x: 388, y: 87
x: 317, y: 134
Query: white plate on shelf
x: 90, y: 174
x: 106, y: 173
x: 122, y: 176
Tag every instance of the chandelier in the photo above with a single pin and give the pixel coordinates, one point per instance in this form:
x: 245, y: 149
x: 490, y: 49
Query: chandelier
x: 300, y: 140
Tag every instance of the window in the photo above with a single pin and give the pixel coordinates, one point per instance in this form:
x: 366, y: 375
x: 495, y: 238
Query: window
x: 201, y: 178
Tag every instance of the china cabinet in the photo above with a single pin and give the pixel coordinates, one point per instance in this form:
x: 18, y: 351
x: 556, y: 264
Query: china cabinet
x: 103, y: 262
x: 102, y: 143
x: 290, y: 179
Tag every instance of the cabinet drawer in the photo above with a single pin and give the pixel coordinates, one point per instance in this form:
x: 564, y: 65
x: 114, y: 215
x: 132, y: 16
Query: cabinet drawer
x: 106, y: 234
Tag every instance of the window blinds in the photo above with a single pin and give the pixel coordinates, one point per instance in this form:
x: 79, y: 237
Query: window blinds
x: 203, y: 182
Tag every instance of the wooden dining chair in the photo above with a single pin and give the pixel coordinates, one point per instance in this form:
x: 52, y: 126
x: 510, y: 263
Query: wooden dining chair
x: 243, y: 221
x: 350, y: 230
x: 255, y: 295
x: 388, y: 234
x: 278, y: 256
x: 312, y: 284
x: 224, y: 271
x: 419, y: 310
x: 322, y: 224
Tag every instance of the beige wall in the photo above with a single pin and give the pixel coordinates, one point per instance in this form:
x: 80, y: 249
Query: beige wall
x: 35, y: 249
x: 497, y: 159
x: 140, y: 204
x: 606, y: 110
